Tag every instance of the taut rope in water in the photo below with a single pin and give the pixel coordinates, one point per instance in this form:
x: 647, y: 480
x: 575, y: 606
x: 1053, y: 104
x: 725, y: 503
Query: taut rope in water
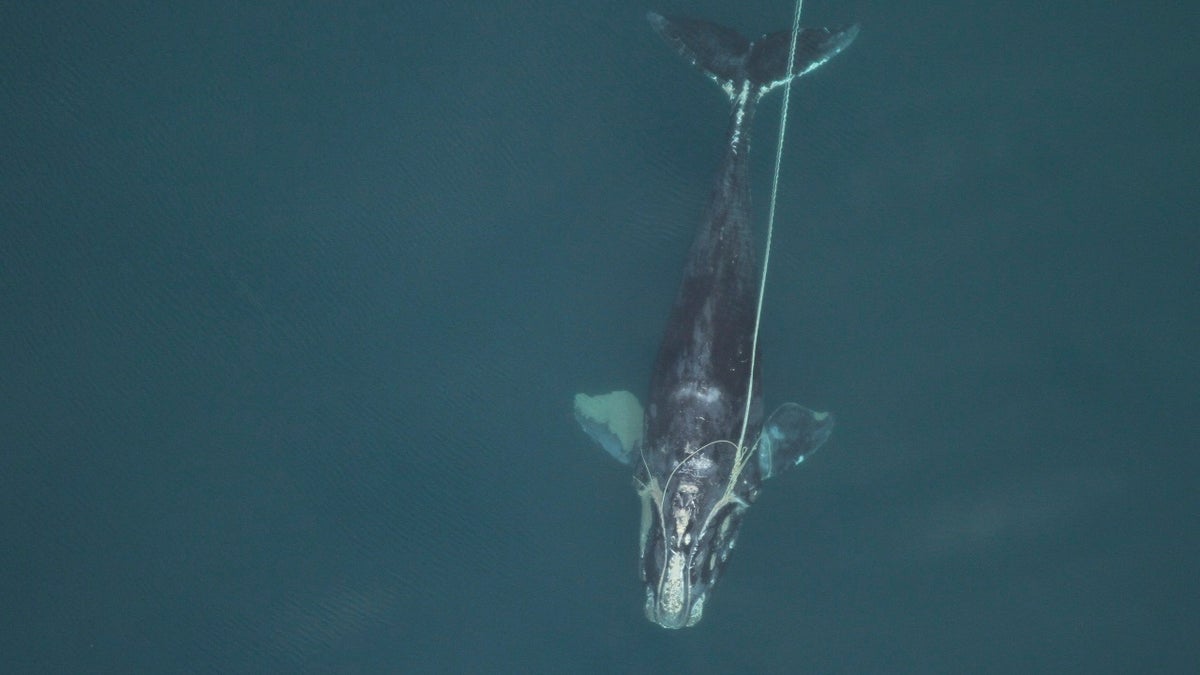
x: 762, y: 286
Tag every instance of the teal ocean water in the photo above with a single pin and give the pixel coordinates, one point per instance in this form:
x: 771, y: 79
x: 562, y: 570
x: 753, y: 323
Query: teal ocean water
x: 295, y: 298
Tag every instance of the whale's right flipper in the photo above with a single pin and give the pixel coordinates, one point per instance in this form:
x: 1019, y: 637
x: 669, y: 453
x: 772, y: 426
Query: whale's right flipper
x: 790, y: 434
x: 613, y: 420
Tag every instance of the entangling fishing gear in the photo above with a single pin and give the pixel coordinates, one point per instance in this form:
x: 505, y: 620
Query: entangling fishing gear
x: 762, y: 286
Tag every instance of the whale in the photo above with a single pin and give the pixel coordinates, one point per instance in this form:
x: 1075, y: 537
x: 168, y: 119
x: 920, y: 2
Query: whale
x: 701, y: 447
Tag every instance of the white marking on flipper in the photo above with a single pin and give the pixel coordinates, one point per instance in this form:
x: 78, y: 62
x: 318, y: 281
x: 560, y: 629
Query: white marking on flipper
x: 615, y: 416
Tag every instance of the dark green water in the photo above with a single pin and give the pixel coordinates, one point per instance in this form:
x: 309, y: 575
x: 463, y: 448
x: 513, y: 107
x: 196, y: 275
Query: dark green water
x: 295, y: 297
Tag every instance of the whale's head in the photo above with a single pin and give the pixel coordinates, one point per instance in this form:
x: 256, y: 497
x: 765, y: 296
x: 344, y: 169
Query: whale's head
x: 688, y: 532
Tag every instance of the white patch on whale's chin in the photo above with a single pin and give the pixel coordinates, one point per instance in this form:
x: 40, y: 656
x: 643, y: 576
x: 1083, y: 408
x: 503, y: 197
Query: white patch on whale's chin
x: 670, y: 598
x: 670, y: 603
x: 673, y: 590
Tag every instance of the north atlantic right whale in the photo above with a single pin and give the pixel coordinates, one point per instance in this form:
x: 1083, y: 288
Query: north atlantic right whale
x: 702, y: 448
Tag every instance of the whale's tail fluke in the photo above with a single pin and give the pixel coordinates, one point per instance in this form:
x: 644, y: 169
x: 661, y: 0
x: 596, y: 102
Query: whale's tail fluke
x: 729, y: 58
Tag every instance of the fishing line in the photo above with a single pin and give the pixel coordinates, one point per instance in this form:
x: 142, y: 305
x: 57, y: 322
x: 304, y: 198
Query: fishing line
x: 762, y: 286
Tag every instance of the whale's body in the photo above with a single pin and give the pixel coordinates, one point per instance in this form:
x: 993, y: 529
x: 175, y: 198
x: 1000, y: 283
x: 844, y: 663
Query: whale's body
x: 701, y: 449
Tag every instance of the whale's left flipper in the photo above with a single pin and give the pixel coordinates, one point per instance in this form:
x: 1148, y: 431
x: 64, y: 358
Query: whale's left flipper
x: 790, y: 434
x: 613, y: 420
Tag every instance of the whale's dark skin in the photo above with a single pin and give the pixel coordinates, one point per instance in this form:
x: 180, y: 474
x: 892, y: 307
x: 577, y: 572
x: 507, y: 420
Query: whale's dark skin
x: 703, y: 453
x: 698, y: 392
